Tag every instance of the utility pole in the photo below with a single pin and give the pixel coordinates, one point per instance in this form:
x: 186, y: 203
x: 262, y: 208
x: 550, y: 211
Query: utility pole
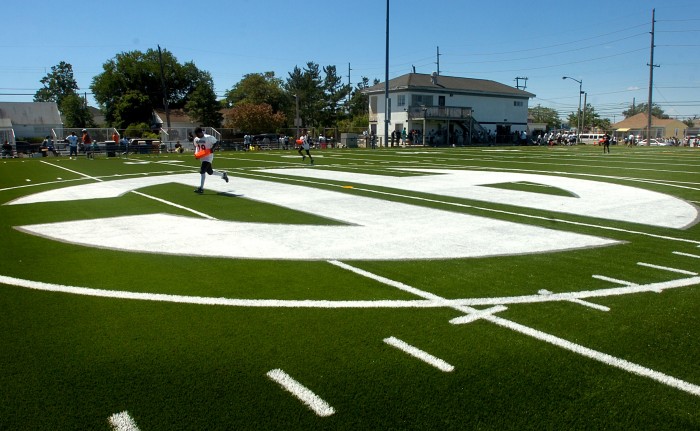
x: 349, y: 83
x: 438, y: 60
x: 651, y: 76
x: 165, y: 90
x: 583, y: 119
x: 517, y: 83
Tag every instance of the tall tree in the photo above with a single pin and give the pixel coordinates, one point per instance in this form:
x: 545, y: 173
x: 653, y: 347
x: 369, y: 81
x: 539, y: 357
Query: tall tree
x: 591, y: 119
x: 359, y: 101
x: 138, y: 71
x: 131, y: 108
x: 58, y: 84
x: 202, y: 104
x: 307, y: 86
x: 545, y: 115
x: 643, y: 108
x: 252, y: 118
x: 258, y: 88
x: 76, y: 112
x: 334, y: 92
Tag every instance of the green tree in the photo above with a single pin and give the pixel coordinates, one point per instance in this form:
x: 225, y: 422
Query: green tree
x: 131, y: 108
x: 690, y: 122
x: 591, y: 119
x: 59, y: 83
x: 334, y: 91
x: 258, y: 88
x: 202, y: 104
x: 545, y: 115
x: 643, y: 108
x: 75, y: 112
x: 307, y: 85
x: 359, y: 101
x: 251, y: 118
x: 136, y: 71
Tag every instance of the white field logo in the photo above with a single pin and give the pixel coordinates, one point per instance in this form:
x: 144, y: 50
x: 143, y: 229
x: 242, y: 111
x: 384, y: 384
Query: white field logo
x: 368, y: 228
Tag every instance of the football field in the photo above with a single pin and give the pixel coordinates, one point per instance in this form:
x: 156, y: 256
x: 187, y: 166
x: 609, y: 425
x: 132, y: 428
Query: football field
x: 505, y: 288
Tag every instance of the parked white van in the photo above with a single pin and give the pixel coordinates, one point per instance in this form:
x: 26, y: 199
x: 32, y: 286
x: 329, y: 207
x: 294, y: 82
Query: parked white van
x: 590, y: 138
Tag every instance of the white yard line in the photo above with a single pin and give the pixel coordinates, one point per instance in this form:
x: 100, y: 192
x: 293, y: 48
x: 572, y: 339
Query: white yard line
x: 614, y: 280
x: 686, y: 254
x: 173, y: 204
x: 665, y: 268
x: 579, y: 301
x: 576, y: 348
x: 310, y: 399
x: 419, y: 354
x: 122, y: 422
x: 599, y: 356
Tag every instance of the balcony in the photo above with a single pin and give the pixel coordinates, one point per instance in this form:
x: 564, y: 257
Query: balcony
x: 439, y: 113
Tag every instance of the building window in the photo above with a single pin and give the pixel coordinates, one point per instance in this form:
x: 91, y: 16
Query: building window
x: 401, y: 100
x: 421, y: 100
x: 517, y: 103
x: 373, y: 104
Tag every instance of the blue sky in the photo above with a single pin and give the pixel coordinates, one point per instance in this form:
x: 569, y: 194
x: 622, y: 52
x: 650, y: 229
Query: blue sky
x: 606, y: 44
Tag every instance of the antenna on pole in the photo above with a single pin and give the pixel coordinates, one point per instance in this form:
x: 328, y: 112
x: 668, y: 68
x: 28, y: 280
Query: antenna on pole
x: 517, y: 83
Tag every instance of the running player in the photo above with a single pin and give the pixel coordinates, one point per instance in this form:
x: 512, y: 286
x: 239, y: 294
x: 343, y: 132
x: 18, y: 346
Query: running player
x: 204, y: 151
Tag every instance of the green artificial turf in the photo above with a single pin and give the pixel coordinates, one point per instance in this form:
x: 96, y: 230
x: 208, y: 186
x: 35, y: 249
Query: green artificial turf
x: 70, y: 361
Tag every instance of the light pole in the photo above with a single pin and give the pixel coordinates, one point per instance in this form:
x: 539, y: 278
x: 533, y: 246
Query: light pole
x: 580, y: 92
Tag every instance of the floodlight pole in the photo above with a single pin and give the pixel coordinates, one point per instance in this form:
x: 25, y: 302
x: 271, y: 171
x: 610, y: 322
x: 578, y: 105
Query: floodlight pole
x: 580, y: 92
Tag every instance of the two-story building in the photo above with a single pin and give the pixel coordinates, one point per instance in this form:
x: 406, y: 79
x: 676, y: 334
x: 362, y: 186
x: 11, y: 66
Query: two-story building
x: 447, y: 110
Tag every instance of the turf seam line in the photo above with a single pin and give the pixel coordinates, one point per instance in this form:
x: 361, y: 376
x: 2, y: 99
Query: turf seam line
x: 123, y: 422
x: 301, y: 392
x: 420, y: 354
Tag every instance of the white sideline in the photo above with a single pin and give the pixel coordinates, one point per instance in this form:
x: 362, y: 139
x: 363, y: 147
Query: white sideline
x: 123, y: 422
x: 316, y: 404
x: 419, y: 354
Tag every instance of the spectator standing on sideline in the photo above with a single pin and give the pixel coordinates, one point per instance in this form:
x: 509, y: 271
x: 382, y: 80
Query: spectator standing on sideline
x: 72, y: 145
x: 87, y: 144
x: 6, y: 150
x: 204, y: 152
x: 606, y: 143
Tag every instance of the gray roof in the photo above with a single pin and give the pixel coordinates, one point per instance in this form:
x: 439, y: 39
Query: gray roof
x: 423, y: 82
x: 31, y: 113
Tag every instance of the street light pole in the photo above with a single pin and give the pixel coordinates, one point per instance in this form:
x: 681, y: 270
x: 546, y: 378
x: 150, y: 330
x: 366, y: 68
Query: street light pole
x: 580, y: 92
x: 387, y: 112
